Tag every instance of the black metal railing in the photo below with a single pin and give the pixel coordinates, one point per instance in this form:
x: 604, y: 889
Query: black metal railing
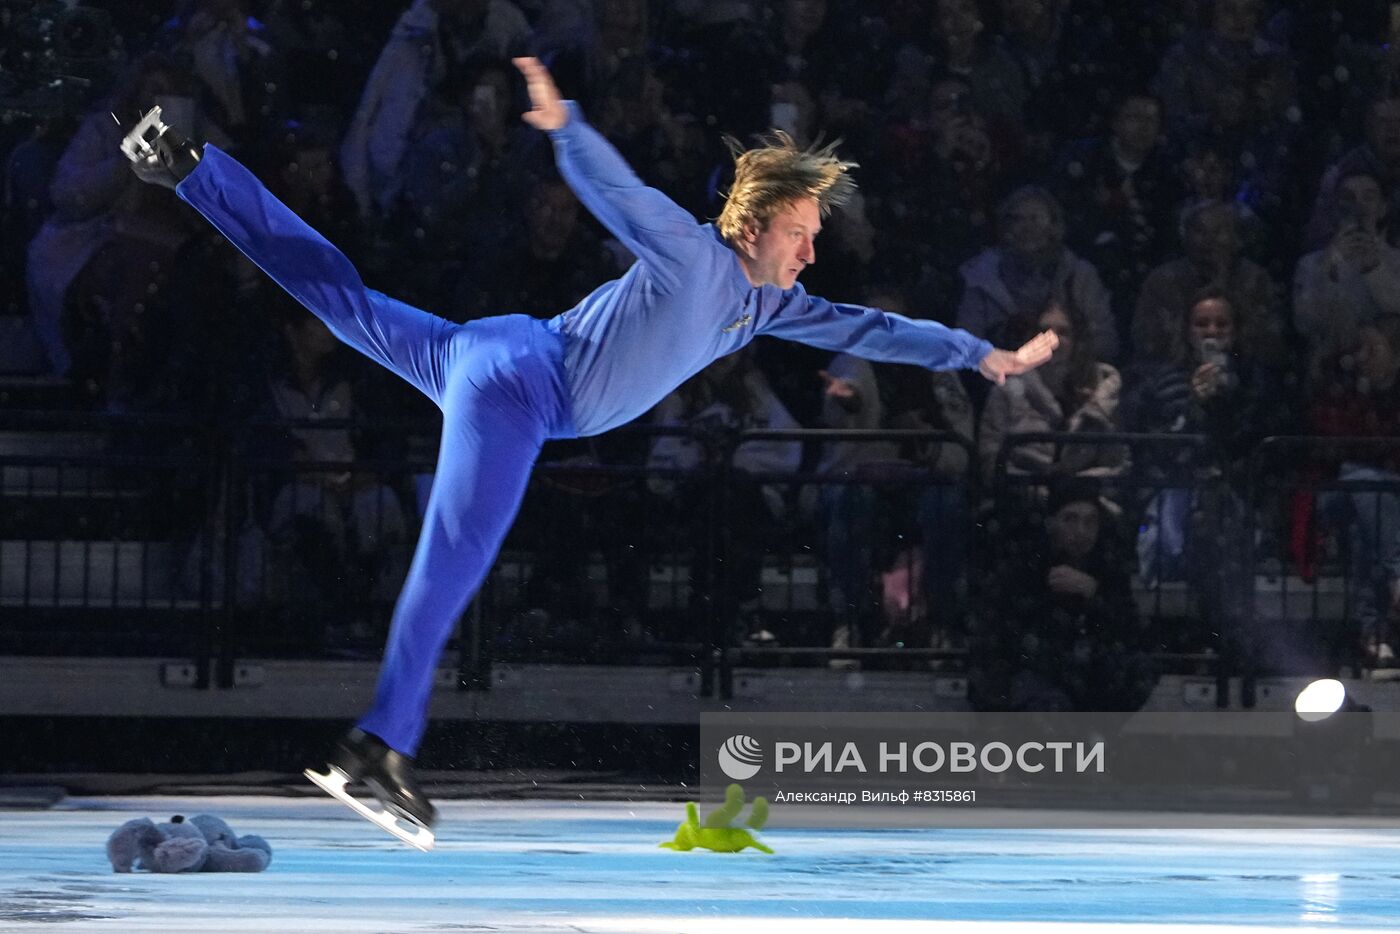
x: 163, y: 536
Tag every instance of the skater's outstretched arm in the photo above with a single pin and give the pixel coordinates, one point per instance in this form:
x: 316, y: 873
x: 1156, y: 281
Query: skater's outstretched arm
x: 892, y: 338
x: 659, y: 232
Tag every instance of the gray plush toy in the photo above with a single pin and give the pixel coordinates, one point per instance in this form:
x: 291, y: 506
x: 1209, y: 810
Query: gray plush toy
x: 203, y: 843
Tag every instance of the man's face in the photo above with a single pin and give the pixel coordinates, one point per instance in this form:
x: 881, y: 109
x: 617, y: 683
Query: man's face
x: 1211, y: 235
x: 778, y: 253
x: 1383, y: 129
x: 1361, y: 196
x: 490, y: 97
x: 1208, y: 175
x: 803, y: 18
x: 1074, y: 529
x: 1030, y: 227
x: 956, y: 19
x: 1236, y: 20
x: 1138, y: 124
x: 948, y: 100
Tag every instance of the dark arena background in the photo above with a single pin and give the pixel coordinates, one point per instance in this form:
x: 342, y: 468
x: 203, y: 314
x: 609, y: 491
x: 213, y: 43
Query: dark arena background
x: 1187, y: 517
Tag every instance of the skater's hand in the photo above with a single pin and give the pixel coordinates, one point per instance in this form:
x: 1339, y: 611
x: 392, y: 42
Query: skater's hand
x: 999, y: 364
x: 547, y: 111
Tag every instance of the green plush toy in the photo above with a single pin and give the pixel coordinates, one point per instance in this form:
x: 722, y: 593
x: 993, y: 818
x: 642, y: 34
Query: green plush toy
x: 716, y: 833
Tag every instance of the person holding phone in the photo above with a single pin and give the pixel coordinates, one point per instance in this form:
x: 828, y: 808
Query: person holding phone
x: 1212, y: 382
x: 1355, y: 278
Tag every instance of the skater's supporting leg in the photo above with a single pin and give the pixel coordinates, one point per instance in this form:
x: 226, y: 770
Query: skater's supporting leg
x: 489, y: 445
x: 407, y: 340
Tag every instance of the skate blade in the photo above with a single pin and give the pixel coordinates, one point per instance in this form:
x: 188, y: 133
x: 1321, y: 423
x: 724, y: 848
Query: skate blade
x: 139, y: 143
x: 333, y: 783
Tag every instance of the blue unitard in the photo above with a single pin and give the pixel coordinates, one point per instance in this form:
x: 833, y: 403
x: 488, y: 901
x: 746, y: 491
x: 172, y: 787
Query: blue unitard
x: 507, y: 384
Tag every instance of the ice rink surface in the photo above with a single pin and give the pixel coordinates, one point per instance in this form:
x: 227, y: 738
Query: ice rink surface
x: 558, y: 866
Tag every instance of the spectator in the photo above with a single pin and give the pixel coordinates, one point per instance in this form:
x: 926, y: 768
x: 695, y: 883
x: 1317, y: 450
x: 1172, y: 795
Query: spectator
x: 729, y: 396
x: 431, y: 39
x: 1355, y: 279
x: 1075, y: 393
x: 25, y: 203
x: 552, y: 262
x: 1214, y: 383
x: 632, y: 112
x: 338, y: 535
x: 471, y: 160
x: 915, y: 493
x: 830, y: 54
x: 1059, y: 629
x: 1120, y: 192
x: 1032, y: 31
x: 1211, y: 237
x: 962, y: 47
x: 1356, y: 394
x: 303, y: 169
x: 1031, y: 268
x: 933, y: 208
x: 99, y: 206
x: 324, y: 57
x: 1225, y: 56
x: 609, y: 57
x: 1254, y: 127
x: 229, y: 52
x: 1379, y: 155
x: 1074, y: 58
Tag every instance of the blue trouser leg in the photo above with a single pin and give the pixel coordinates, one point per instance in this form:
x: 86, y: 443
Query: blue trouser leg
x: 498, y: 381
x: 406, y: 340
x: 488, y: 448
x: 503, y: 398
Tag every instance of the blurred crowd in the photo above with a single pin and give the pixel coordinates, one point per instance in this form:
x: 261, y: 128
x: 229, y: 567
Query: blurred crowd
x: 1199, y: 196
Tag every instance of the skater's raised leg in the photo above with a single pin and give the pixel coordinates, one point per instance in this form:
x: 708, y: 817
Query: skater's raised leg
x: 406, y: 340
x: 501, y: 387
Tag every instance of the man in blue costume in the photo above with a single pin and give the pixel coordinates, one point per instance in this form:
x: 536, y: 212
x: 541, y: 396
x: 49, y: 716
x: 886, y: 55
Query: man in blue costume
x: 507, y: 384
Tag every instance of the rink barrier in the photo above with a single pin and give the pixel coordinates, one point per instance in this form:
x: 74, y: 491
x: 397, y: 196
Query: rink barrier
x: 1323, y: 579
x: 108, y: 552
x: 1175, y: 576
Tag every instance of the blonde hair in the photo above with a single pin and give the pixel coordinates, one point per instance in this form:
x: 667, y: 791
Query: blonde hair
x: 776, y: 173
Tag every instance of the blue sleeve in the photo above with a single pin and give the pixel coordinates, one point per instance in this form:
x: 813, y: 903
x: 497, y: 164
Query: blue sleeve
x: 874, y: 334
x: 659, y: 232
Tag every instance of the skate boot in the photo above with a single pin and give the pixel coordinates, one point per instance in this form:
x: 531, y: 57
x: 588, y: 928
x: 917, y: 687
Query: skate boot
x: 404, y: 810
x: 158, y: 154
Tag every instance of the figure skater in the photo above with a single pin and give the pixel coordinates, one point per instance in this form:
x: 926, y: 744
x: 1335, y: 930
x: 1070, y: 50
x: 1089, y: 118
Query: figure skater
x: 507, y: 384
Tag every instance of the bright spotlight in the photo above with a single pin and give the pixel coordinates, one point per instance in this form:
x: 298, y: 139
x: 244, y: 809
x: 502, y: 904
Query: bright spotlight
x: 1320, y: 700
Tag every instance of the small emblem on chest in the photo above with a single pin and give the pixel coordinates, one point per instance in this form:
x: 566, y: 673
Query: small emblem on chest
x: 738, y: 324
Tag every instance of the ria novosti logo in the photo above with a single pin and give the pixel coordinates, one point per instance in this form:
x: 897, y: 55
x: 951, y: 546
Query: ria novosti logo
x: 740, y: 757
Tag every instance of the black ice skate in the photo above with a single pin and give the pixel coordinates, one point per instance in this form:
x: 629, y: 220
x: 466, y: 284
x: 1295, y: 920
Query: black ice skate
x: 404, y: 811
x: 158, y: 154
